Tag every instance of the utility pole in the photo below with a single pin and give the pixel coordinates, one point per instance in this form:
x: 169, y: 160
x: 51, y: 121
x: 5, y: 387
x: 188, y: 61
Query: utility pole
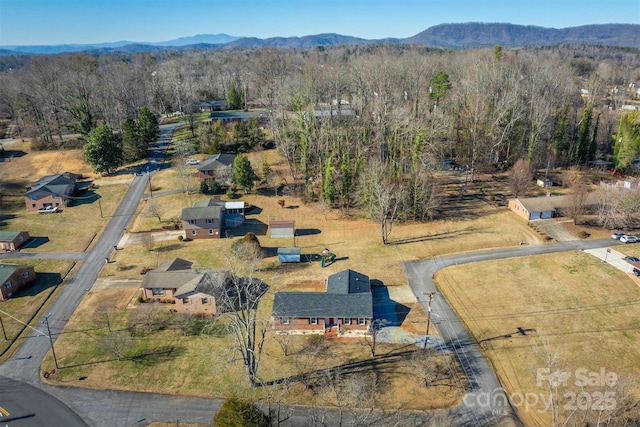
x: 4, y: 333
x: 53, y: 351
x: 426, y: 338
x: 150, y: 189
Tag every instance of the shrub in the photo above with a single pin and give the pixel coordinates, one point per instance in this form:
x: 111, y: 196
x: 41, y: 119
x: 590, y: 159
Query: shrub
x: 281, y: 202
x: 181, y: 237
x: 583, y: 234
x: 237, y: 412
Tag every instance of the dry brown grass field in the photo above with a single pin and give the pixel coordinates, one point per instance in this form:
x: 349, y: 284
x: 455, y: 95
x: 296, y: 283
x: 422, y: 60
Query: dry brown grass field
x: 494, y: 298
x: 575, y: 308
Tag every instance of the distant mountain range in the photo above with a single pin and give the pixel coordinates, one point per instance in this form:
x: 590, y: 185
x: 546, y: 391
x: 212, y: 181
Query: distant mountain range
x: 445, y: 36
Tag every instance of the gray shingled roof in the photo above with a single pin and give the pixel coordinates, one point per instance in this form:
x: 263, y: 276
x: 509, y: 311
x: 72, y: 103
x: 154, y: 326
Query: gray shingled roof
x: 52, y: 184
x: 8, y: 235
x: 174, y: 264
x: 216, y: 161
x: 6, y: 270
x: 209, y: 202
x: 207, y: 212
x: 320, y: 304
x: 209, y: 283
x: 348, y: 282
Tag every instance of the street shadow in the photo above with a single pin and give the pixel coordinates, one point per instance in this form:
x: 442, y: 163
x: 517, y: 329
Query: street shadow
x: 43, y: 282
x: 434, y: 237
x: 385, y: 309
x: 385, y: 363
x: 307, y: 231
x: 520, y: 331
x: 250, y: 225
x: 36, y: 242
x: 7, y: 155
x: 148, y: 358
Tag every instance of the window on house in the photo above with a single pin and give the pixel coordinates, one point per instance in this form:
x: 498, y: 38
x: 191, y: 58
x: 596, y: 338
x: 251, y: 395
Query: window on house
x: 210, y: 232
x: 33, y: 205
x: 25, y: 274
x: 193, y: 232
x: 362, y: 321
x: 7, y: 285
x: 346, y: 321
x: 205, y: 300
x: 157, y: 291
x: 284, y: 320
x: 192, y: 221
x: 185, y: 300
x: 313, y: 320
x: 209, y: 221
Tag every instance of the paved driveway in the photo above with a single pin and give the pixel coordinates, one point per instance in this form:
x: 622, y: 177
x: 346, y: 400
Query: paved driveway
x: 554, y: 228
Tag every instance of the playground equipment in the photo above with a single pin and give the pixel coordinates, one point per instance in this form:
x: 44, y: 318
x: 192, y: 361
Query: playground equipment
x: 327, y: 258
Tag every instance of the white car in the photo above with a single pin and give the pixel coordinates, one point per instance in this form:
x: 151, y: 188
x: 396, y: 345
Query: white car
x: 193, y: 162
x: 617, y: 235
x: 629, y: 239
x: 48, y: 209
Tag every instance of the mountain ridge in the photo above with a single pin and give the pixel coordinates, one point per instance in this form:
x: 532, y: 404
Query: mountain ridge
x: 444, y: 36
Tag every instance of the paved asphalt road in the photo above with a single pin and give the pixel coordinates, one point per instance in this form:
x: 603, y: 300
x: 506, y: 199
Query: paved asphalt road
x: 486, y: 403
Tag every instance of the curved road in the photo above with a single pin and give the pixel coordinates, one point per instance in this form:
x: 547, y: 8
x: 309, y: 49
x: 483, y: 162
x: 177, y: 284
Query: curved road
x: 109, y: 407
x: 486, y: 403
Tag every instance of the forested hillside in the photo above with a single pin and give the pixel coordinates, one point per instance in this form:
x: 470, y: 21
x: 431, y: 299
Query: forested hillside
x: 357, y: 124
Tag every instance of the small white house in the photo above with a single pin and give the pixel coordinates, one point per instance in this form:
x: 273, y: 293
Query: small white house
x: 544, y: 182
x: 281, y: 229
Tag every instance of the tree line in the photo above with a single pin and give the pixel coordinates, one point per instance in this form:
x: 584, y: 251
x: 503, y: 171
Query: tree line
x: 353, y: 122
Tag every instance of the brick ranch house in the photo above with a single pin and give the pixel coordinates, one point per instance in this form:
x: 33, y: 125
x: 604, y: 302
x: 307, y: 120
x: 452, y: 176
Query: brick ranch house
x: 216, y: 168
x: 188, y: 291
x: 13, y: 278
x: 207, y: 218
x: 346, y: 307
x: 50, y: 191
x: 545, y: 207
x: 12, y: 240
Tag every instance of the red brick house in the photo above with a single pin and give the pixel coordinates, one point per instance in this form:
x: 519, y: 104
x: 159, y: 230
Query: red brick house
x: 12, y: 240
x: 216, y: 167
x: 346, y: 307
x: 203, y: 220
x: 50, y: 191
x: 13, y: 278
x: 187, y: 290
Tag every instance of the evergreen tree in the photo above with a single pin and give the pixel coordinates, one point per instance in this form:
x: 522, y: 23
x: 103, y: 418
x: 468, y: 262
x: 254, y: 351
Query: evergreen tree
x: 148, y: 127
x: 627, y: 141
x: 329, y: 185
x: 130, y: 140
x: 582, y: 144
x: 103, y: 150
x: 243, y: 174
x: 237, y: 412
x: 235, y: 99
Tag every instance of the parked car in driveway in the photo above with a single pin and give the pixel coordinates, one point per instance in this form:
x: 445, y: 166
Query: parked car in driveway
x: 48, y: 209
x: 617, y: 235
x: 631, y: 259
x: 193, y: 162
x: 629, y: 239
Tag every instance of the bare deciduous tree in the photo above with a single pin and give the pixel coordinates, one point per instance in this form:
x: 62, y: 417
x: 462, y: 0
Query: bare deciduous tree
x: 520, y: 177
x: 117, y: 342
x: 147, y: 240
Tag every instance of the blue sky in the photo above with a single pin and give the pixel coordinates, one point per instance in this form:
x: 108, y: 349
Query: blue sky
x: 48, y: 22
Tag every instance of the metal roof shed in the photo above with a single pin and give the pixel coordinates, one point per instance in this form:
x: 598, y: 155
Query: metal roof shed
x: 289, y: 254
x: 280, y: 229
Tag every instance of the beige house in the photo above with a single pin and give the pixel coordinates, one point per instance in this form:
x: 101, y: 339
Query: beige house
x: 12, y: 240
x: 188, y: 290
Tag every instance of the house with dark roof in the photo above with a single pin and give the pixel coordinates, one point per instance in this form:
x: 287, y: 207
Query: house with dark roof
x: 346, y: 307
x: 207, y: 218
x: 13, y: 278
x: 12, y: 240
x: 216, y: 168
x: 203, y: 220
x: 50, y: 191
x: 213, y: 105
x: 186, y: 289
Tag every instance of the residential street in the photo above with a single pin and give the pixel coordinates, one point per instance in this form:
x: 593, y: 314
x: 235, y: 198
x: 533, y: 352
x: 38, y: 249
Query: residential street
x: 120, y: 408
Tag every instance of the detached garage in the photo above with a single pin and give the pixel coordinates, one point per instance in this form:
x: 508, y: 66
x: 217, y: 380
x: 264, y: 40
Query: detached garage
x: 282, y: 229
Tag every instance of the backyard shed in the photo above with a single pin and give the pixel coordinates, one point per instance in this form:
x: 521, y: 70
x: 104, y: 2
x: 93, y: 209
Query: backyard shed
x: 544, y: 182
x: 281, y: 229
x: 289, y: 254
